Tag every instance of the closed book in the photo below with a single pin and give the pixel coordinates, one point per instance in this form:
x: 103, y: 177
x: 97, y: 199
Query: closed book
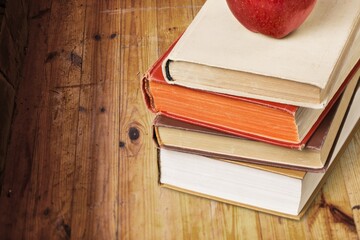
x: 306, y: 68
x: 177, y: 135
x: 283, y: 192
x: 270, y: 122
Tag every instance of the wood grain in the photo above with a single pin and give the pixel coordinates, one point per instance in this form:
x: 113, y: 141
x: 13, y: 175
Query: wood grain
x: 95, y: 194
x: 350, y: 167
x: 136, y: 187
x: 21, y: 182
x: 13, y: 39
x: 7, y: 98
x: 81, y: 162
x: 16, y: 19
x: 2, y: 11
x: 10, y: 56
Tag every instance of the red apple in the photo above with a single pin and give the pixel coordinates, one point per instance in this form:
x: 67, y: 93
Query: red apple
x: 275, y: 18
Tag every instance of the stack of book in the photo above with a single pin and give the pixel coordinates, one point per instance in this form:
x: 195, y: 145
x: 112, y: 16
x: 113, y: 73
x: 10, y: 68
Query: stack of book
x: 254, y: 121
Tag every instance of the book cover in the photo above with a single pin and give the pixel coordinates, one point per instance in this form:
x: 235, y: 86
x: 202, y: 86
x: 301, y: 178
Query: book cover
x: 306, y: 68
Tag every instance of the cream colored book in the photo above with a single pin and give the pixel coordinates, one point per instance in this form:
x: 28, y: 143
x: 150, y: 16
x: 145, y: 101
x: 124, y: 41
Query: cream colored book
x: 218, y: 54
x: 274, y: 190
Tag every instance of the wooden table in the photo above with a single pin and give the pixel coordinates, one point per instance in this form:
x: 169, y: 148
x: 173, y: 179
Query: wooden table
x: 81, y: 162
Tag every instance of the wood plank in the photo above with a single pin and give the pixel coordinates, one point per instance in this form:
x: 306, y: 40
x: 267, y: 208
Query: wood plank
x: 137, y: 182
x: 95, y: 198
x: 13, y: 41
x: 350, y: 166
x: 10, y: 56
x: 7, y: 97
x: 19, y: 163
x: 56, y: 135
x: 47, y: 116
x: 17, y: 22
x: 11, y: 60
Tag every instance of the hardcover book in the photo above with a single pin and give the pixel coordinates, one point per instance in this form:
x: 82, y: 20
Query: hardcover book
x: 306, y: 68
x: 270, y: 122
x: 278, y: 191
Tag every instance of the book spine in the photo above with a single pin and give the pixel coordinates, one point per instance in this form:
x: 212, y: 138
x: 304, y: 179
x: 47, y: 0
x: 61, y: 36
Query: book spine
x: 150, y: 75
x: 148, y: 98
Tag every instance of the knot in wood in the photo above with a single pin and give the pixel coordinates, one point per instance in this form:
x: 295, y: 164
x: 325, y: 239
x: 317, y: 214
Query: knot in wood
x: 134, y: 133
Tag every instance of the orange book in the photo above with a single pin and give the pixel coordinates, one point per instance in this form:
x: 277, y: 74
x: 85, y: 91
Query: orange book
x: 270, y: 122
